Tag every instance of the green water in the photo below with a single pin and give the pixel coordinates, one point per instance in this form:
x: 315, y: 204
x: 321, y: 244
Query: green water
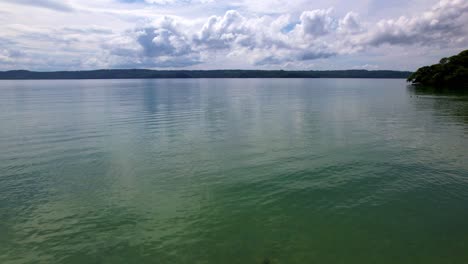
x: 232, y: 171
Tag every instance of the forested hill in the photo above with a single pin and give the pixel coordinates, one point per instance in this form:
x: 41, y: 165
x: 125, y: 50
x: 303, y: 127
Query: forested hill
x: 137, y: 74
x: 450, y: 73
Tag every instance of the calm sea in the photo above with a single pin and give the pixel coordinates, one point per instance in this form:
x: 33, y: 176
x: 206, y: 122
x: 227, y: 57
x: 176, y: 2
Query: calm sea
x: 232, y: 171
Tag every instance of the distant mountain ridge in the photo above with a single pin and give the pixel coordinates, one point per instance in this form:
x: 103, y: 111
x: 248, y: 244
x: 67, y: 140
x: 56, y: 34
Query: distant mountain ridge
x: 155, y: 74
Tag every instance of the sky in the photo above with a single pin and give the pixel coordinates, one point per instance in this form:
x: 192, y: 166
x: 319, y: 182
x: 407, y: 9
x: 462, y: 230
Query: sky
x: 48, y: 35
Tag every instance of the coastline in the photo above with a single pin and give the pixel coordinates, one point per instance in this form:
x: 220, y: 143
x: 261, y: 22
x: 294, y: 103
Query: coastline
x: 198, y: 74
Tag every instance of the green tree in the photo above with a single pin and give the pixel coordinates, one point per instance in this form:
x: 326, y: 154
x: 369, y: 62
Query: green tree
x: 449, y: 72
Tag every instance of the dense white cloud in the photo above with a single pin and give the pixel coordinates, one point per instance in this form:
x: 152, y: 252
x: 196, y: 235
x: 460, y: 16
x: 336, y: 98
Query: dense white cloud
x: 155, y: 35
x: 444, y: 23
x: 161, y: 44
x: 350, y: 23
x: 261, y: 40
x: 317, y: 23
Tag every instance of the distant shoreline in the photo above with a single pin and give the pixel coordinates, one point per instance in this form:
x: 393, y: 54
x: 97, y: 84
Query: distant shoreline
x: 198, y: 74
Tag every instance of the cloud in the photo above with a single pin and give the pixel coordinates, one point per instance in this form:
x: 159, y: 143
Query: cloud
x: 62, y: 5
x: 317, y: 23
x: 9, y: 55
x: 263, y: 39
x: 163, y: 40
x: 366, y: 67
x: 444, y: 23
x: 137, y: 35
x: 350, y: 23
x: 88, y: 30
x: 289, y: 56
x: 222, y: 32
x: 158, y: 45
x: 318, y: 34
x: 234, y: 30
x: 167, y: 2
x: 161, y: 2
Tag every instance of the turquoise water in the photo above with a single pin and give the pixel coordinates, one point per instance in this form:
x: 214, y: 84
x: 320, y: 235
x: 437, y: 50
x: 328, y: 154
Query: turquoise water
x: 232, y: 171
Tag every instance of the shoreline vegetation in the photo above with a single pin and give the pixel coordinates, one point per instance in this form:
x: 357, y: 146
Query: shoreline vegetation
x: 155, y: 74
x: 450, y: 73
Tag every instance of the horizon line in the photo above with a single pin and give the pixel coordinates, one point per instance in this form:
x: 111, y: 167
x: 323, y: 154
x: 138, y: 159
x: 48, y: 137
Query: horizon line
x: 195, y: 70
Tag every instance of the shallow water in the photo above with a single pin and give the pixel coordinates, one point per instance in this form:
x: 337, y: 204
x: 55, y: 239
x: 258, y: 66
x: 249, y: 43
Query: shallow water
x: 232, y: 171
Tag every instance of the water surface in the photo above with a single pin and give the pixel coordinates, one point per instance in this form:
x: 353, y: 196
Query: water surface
x: 232, y: 171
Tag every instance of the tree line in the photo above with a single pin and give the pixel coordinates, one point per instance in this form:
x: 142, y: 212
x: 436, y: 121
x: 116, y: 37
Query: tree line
x: 143, y: 73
